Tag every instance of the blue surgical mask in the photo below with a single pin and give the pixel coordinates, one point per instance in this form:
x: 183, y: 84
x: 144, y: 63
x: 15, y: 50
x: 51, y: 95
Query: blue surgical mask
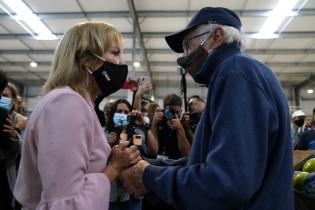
x: 120, y: 120
x: 6, y: 103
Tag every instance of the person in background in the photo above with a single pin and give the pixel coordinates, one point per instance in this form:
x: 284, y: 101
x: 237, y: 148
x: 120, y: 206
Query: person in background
x: 66, y: 161
x: 130, y: 126
x: 297, y: 126
x: 119, y: 197
x: 120, y: 126
x: 6, y: 198
x: 241, y: 157
x: 308, y: 122
x: 169, y: 130
x: 106, y: 110
x: 14, y: 126
x: 140, y: 90
x: 191, y: 118
x: 19, y: 107
x: 307, y: 139
x: 151, y: 111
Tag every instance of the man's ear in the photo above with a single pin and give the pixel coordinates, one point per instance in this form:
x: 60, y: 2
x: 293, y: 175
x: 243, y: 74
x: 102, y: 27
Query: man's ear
x: 218, y: 37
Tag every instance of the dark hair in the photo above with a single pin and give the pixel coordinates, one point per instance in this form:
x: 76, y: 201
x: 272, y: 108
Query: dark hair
x: 113, y: 109
x: 151, y: 109
x: 3, y: 81
x: 172, y: 100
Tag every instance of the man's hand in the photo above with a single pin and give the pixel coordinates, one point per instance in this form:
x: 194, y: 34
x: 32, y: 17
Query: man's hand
x: 139, y: 116
x: 175, y: 124
x: 132, y: 179
x: 186, y: 119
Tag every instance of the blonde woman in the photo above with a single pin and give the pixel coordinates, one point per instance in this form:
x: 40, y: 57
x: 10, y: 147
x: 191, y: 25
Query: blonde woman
x: 65, y: 156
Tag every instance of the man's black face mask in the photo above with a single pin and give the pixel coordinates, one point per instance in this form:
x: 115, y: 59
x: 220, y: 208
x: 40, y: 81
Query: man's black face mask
x: 299, y: 122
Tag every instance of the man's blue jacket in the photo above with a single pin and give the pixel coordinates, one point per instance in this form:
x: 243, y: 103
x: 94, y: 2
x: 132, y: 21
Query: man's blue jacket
x: 241, y: 157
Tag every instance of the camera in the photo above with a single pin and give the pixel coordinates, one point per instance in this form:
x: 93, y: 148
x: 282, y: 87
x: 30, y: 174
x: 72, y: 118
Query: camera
x: 169, y: 114
x: 128, y: 122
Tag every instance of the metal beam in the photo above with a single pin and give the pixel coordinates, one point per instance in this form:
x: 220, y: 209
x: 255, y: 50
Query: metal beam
x: 306, y: 82
x: 134, y: 16
x: 147, y: 13
x: 147, y: 35
x: 169, y: 51
x: 159, y: 83
x: 157, y: 74
x: 167, y: 63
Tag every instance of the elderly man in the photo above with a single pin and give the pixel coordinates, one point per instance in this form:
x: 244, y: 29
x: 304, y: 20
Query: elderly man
x: 241, y: 153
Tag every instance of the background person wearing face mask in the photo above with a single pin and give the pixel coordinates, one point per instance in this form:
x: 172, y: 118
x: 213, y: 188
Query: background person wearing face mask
x: 119, y: 127
x: 5, y: 192
x: 66, y: 161
x: 297, y: 126
x: 14, y: 127
x: 241, y: 157
x: 191, y: 118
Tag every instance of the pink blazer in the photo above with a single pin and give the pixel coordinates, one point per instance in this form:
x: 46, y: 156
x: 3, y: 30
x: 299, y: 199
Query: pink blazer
x: 64, y: 151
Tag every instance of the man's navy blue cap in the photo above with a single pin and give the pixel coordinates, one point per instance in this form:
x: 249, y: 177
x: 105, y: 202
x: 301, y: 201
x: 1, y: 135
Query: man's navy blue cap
x: 216, y: 15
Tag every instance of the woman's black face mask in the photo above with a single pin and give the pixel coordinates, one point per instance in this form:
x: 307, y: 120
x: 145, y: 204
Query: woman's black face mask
x: 110, y: 77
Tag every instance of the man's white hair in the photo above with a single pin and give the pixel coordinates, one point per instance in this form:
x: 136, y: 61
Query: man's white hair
x: 231, y: 35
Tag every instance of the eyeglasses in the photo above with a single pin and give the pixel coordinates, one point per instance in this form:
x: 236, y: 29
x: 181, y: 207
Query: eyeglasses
x: 187, y: 42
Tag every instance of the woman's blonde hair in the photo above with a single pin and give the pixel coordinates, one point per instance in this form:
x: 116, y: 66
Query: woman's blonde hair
x: 77, y: 44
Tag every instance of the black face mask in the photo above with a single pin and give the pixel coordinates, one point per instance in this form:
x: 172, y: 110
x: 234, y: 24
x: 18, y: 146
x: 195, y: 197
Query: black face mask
x: 110, y: 77
x: 194, y: 119
x: 194, y: 62
x: 299, y: 122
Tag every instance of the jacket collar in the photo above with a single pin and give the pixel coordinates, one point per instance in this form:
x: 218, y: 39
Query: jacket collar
x: 215, y: 58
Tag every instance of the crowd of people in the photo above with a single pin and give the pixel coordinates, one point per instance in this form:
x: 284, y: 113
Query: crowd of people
x: 143, y: 155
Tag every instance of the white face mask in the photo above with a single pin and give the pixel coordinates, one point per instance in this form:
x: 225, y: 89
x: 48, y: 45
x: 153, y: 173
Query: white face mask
x: 146, y: 120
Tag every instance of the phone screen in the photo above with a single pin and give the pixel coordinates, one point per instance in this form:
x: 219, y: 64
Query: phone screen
x: 137, y: 140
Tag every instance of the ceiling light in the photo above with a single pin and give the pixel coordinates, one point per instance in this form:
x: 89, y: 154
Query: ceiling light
x: 25, y: 17
x: 276, y: 18
x: 136, y: 64
x: 33, y: 64
x: 310, y: 91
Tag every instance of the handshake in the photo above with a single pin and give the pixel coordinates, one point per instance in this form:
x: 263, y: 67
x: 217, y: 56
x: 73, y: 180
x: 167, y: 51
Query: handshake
x: 128, y: 166
x: 131, y: 179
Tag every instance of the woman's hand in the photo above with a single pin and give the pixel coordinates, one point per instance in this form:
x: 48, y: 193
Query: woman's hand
x: 144, y: 88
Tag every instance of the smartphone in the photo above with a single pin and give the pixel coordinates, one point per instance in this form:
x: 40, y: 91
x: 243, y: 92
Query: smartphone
x: 144, y: 80
x: 137, y: 140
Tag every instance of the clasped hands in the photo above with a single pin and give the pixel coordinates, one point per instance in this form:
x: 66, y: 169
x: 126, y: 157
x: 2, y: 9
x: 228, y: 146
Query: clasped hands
x: 130, y: 167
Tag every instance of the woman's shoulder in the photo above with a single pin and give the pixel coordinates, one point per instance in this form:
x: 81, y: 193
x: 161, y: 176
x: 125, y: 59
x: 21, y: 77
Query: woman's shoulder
x: 61, y: 98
